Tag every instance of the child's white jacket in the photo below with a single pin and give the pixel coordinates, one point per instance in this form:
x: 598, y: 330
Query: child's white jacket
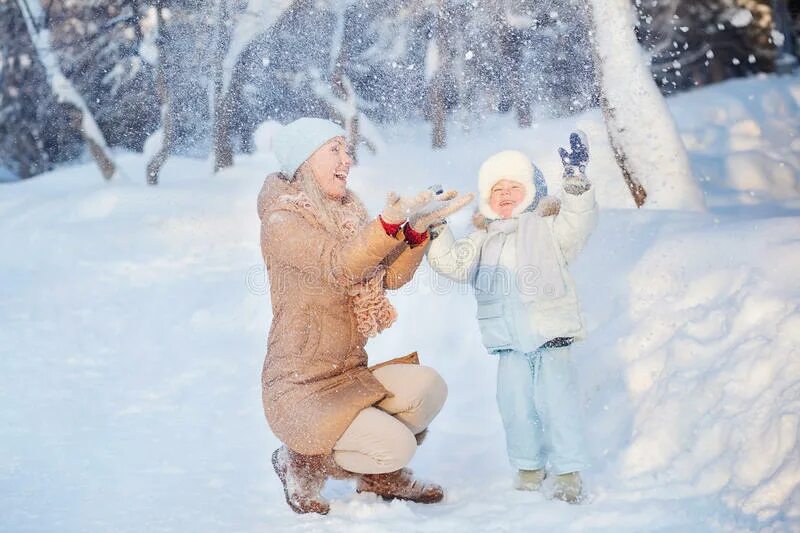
x: 505, y: 321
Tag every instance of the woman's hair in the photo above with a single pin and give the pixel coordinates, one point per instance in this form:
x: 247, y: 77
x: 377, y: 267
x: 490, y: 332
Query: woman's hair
x: 332, y: 213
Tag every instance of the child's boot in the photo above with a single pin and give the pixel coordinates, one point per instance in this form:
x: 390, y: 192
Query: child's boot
x: 529, y: 479
x: 568, y: 487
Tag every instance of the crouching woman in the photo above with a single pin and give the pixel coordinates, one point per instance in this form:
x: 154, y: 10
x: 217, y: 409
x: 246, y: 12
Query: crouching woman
x: 329, y: 266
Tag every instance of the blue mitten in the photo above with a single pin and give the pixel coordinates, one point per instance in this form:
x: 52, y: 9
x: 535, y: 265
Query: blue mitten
x: 575, y: 161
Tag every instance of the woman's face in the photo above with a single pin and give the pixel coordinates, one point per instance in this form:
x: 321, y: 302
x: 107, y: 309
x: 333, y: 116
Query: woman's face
x: 506, y: 195
x: 331, y: 165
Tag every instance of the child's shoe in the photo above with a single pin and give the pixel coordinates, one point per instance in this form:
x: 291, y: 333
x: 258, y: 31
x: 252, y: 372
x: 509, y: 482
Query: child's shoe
x: 529, y: 479
x: 568, y: 487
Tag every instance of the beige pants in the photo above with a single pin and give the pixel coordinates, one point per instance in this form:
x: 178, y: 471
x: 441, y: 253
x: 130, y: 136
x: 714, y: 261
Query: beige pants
x: 381, y: 439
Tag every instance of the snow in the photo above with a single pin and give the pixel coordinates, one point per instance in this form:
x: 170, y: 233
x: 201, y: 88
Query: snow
x: 432, y: 55
x: 153, y: 144
x: 148, y: 49
x: 712, y: 365
x: 741, y: 18
x: 743, y: 141
x: 778, y: 38
x: 262, y: 137
x: 135, y: 324
x: 258, y: 17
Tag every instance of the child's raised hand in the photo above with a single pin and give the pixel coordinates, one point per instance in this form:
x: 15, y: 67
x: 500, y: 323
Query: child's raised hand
x: 578, y: 156
x: 575, y: 161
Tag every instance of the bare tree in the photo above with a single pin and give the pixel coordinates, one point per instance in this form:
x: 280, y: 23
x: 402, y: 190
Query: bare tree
x: 25, y: 96
x: 511, y: 47
x: 74, y: 104
x: 783, y: 36
x: 441, y: 70
x: 167, y: 126
x: 223, y: 148
x: 347, y: 108
x: 643, y: 134
x: 256, y: 18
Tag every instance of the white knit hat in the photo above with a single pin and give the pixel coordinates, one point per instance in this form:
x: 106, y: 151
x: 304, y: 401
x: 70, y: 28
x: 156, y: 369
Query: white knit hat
x: 296, y: 141
x: 507, y: 165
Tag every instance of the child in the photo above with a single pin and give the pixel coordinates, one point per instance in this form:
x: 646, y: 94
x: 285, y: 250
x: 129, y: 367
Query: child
x: 528, y: 310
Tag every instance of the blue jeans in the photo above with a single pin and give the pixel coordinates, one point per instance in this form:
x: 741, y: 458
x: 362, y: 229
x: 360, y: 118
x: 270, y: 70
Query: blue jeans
x: 539, y: 402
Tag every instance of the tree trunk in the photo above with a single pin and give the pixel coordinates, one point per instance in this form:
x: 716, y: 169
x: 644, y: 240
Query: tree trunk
x: 438, y: 114
x: 782, y: 23
x: 511, y: 47
x: 636, y: 189
x: 436, y: 94
x: 352, y: 139
x: 342, y: 87
x: 101, y: 157
x: 223, y: 148
x: 250, y: 19
x: 643, y: 134
x: 161, y: 156
x: 65, y: 92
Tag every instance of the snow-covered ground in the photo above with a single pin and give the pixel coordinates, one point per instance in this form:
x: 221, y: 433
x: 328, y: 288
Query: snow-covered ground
x: 134, y: 323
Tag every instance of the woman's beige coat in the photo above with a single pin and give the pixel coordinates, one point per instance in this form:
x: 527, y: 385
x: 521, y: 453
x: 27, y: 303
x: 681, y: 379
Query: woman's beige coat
x: 315, y: 378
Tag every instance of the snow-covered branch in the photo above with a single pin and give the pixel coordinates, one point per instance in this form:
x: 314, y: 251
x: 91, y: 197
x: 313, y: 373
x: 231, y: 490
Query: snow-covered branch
x: 63, y: 89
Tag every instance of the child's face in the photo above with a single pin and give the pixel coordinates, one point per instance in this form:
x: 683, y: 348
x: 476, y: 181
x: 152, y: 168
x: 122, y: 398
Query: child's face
x: 506, y: 195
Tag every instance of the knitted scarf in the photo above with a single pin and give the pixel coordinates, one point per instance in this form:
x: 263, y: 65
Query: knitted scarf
x: 344, y: 219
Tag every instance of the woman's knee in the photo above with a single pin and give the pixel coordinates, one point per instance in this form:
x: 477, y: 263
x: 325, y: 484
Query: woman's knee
x: 375, y: 443
x: 403, y: 446
x: 434, y: 387
x: 419, y: 393
x: 413, y: 385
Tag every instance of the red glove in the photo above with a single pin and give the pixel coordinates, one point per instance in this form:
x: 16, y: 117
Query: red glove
x: 413, y: 238
x: 391, y: 229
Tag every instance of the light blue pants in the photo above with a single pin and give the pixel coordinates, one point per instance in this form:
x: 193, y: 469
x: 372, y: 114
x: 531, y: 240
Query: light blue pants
x: 539, y: 402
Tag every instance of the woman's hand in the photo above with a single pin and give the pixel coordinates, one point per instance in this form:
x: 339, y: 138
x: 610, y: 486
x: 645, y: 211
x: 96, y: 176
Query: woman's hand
x: 398, y: 209
x: 437, y: 209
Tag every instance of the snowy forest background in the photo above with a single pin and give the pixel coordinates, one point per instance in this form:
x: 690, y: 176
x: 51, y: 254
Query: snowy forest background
x: 134, y: 318
x: 197, y: 77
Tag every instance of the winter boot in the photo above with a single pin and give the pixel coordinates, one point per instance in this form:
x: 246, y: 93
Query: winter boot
x: 335, y: 471
x: 568, y: 487
x: 303, y: 477
x: 400, y: 485
x: 529, y: 479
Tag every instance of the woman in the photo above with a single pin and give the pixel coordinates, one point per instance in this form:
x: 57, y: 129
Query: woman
x: 329, y: 266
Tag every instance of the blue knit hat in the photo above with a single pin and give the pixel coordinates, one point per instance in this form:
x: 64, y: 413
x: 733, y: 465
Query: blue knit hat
x: 541, y: 188
x: 296, y: 141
